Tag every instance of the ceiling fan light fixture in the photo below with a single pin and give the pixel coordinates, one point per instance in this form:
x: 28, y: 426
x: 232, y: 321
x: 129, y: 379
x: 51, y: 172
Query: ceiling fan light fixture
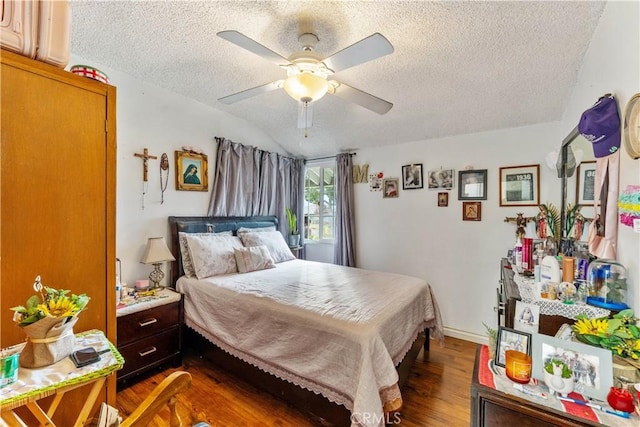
x: 306, y: 87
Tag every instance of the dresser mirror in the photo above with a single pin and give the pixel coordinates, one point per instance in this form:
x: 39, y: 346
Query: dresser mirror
x: 576, y: 181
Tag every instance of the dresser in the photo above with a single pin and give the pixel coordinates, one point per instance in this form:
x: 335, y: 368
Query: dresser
x: 491, y: 408
x: 150, y: 333
x: 57, y: 199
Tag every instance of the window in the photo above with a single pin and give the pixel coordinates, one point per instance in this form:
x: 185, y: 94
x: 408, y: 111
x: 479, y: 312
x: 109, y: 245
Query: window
x: 319, y: 202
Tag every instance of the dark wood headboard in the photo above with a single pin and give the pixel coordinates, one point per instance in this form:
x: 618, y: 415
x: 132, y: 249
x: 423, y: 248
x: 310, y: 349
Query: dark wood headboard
x: 208, y: 224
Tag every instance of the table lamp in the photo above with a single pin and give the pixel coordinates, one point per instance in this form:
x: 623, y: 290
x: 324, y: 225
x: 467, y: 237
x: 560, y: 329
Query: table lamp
x: 156, y: 253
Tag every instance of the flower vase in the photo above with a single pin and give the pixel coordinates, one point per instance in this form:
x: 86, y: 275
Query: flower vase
x: 49, y: 340
x: 556, y: 383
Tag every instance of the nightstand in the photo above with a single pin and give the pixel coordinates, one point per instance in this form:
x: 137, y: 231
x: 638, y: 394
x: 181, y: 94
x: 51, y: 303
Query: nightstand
x: 150, y: 333
x: 295, y: 250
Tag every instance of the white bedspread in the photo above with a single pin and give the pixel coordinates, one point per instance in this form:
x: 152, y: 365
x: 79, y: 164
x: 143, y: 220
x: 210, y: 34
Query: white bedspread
x: 335, y: 330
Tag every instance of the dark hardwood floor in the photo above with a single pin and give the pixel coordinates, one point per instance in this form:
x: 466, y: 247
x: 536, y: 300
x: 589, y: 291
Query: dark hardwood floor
x: 436, y: 394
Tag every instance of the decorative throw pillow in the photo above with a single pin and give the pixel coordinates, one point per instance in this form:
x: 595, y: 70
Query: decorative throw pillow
x: 257, y: 229
x: 187, y: 265
x: 212, y: 254
x: 253, y: 258
x: 273, y: 240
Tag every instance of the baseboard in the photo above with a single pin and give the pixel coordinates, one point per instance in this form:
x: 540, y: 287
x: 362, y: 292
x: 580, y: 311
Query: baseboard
x: 464, y: 335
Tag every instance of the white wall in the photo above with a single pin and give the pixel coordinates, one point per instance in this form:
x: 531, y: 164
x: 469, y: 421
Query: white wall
x: 461, y: 259
x: 149, y: 116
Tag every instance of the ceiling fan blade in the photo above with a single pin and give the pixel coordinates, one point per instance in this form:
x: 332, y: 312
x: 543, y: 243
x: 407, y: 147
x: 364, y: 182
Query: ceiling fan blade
x: 253, y: 46
x: 372, y: 47
x: 305, y: 115
x: 363, y: 99
x: 258, y: 90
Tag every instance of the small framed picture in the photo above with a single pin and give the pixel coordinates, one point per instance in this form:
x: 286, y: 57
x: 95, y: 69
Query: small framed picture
x: 443, y: 199
x: 471, y: 211
x: 520, y: 185
x: 375, y: 181
x: 591, y: 366
x: 510, y: 339
x: 441, y: 179
x: 412, y: 176
x: 390, y: 188
x: 472, y: 184
x: 585, y: 184
x: 191, y: 171
x: 527, y: 317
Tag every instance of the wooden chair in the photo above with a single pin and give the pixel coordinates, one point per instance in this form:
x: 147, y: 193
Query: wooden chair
x: 163, y: 394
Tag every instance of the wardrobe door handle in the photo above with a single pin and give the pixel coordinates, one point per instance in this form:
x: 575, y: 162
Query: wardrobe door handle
x: 147, y: 322
x: 147, y: 352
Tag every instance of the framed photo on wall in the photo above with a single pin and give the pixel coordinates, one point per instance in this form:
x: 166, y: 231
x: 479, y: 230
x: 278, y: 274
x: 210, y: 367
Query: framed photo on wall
x: 443, y: 199
x: 441, y: 179
x: 472, y: 184
x: 510, y: 339
x: 390, y: 188
x: 471, y: 211
x: 585, y: 183
x: 191, y: 171
x: 520, y: 185
x: 412, y: 177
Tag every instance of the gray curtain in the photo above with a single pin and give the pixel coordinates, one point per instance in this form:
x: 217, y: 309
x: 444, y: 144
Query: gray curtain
x: 249, y: 181
x: 345, y: 232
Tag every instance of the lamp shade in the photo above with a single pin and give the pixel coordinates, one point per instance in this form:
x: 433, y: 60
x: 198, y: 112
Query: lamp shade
x: 156, y: 251
x: 306, y: 87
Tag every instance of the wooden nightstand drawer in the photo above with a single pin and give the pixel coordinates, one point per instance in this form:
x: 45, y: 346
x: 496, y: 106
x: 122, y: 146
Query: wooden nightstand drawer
x: 153, y: 350
x: 137, y: 326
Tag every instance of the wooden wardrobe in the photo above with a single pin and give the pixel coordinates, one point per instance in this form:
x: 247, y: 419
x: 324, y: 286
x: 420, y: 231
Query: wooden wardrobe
x: 57, y: 195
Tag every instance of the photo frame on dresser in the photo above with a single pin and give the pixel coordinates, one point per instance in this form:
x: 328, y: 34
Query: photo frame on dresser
x: 510, y: 339
x: 591, y: 366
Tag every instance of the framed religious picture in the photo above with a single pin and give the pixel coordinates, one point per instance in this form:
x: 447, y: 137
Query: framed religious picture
x: 472, y: 184
x: 191, y: 171
x: 586, y: 183
x: 443, y: 199
x: 471, y: 211
x: 412, y: 176
x: 520, y: 185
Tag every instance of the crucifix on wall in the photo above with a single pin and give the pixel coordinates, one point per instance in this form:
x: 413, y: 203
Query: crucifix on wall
x: 145, y: 156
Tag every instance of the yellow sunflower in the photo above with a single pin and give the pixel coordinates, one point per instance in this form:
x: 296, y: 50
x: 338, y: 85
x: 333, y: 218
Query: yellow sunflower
x: 591, y: 326
x: 58, y: 307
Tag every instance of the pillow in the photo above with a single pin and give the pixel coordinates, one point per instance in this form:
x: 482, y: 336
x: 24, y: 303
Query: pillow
x: 253, y: 258
x: 187, y: 265
x: 273, y: 240
x: 212, y: 254
x: 257, y: 229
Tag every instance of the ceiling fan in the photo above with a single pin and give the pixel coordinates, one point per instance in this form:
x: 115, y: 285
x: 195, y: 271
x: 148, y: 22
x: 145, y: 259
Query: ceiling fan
x: 308, y: 73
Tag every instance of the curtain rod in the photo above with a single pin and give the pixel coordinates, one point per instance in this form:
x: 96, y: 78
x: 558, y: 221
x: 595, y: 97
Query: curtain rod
x: 330, y: 157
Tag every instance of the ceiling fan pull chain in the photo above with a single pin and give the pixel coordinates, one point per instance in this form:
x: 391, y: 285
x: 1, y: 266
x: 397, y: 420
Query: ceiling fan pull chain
x: 306, y: 120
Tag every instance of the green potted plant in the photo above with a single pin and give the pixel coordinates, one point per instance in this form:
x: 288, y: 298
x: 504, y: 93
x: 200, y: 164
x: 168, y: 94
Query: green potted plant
x: 558, y: 377
x: 294, y: 236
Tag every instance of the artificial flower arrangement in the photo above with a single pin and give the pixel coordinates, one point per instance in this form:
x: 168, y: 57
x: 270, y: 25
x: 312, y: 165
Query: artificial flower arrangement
x: 47, y: 319
x: 619, y: 334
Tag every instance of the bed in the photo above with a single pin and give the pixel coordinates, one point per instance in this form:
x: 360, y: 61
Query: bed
x: 334, y: 341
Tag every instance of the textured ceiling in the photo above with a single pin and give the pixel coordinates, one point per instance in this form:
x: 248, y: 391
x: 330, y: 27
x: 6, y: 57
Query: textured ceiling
x: 458, y: 67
